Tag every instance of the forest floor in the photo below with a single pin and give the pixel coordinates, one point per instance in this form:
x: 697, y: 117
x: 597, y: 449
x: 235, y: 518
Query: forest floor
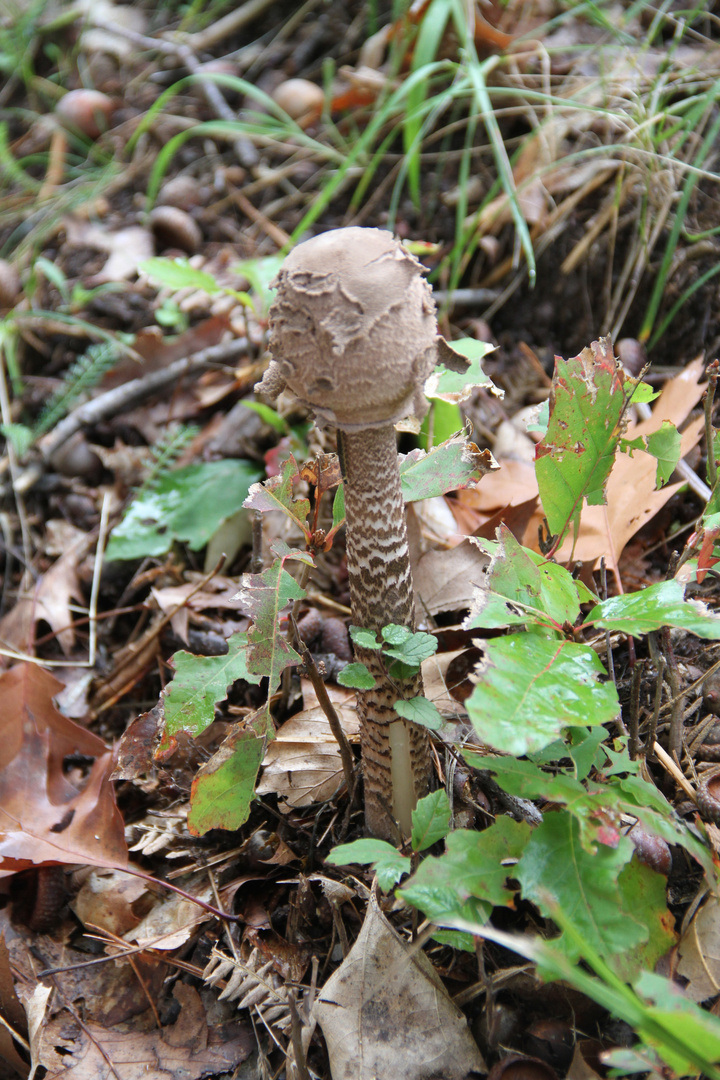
x: 554, y: 166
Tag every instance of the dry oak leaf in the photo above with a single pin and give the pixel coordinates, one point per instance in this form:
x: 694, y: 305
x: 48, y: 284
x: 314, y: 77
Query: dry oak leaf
x: 48, y: 814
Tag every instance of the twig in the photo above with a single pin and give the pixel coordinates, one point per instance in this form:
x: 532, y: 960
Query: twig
x: 124, y: 397
x: 674, y: 770
x: 346, y: 754
x: 229, y: 24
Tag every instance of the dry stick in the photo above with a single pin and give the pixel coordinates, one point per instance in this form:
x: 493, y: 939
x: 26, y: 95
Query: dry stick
x: 124, y: 397
x: 346, y: 754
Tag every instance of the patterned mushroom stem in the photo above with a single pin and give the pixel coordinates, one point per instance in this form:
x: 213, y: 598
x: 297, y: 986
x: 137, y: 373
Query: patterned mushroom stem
x: 381, y: 592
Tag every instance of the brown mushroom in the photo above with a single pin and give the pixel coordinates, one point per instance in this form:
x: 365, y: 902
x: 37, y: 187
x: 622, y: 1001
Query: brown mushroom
x: 353, y: 334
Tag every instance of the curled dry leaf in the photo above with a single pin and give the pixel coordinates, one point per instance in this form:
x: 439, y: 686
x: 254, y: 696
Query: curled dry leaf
x: 699, y: 952
x: 53, y: 808
x: 49, y: 600
x: 303, y: 762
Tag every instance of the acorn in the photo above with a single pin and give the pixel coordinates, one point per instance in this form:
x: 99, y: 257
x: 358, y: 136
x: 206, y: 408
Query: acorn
x: 174, y: 228
x: 708, y: 798
x: 86, y: 111
x: 300, y: 98
x: 651, y: 850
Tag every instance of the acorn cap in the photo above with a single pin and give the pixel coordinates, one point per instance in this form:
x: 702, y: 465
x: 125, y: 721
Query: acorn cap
x: 353, y: 331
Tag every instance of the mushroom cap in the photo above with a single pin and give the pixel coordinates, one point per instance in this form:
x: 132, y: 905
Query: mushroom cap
x: 353, y: 331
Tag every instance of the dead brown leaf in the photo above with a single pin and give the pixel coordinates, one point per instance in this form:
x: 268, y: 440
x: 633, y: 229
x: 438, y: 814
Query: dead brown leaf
x: 385, y: 1013
x: 187, y: 1048
x: 53, y: 808
x: 50, y: 601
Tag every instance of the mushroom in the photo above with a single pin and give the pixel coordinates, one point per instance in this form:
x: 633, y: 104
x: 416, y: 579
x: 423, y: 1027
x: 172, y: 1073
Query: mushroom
x: 353, y: 335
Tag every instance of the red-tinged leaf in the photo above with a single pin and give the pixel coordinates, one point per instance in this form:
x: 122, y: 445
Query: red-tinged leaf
x: 225, y: 786
x: 454, y: 464
x: 266, y: 595
x: 574, y: 459
x: 276, y: 493
x: 49, y: 812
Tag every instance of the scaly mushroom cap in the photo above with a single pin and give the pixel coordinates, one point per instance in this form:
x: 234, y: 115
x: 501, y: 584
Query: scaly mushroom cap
x: 353, y: 331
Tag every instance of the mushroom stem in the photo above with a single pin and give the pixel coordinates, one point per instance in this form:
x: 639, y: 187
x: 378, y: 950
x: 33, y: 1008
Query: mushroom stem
x: 396, y: 754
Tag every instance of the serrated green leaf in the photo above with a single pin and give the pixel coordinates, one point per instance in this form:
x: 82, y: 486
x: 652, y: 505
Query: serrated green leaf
x: 555, y: 869
x: 364, y: 639
x: 420, y: 711
x: 531, y: 688
x: 394, y: 634
x: 200, y: 682
x: 574, y: 459
x: 521, y: 587
x: 266, y: 595
x: 356, y: 677
x: 276, y: 493
x: 414, y: 649
x: 471, y: 877
x: 179, y: 274
x: 644, y: 393
x: 455, y: 464
x: 430, y: 820
x: 662, y: 604
x: 188, y: 504
x: 388, y: 863
x: 224, y: 786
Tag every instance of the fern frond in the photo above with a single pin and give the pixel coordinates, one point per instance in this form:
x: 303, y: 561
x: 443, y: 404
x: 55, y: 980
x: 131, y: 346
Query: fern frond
x: 86, y: 372
x: 165, y: 452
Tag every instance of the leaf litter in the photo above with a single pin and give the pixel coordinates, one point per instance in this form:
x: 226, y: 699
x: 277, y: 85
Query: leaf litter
x: 201, y: 724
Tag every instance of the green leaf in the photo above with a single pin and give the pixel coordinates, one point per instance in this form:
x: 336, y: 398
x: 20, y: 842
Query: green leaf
x: 356, y: 677
x: 655, y: 606
x: 413, y: 649
x: 268, y: 415
x: 388, y: 863
x: 420, y: 711
x: 521, y: 587
x: 395, y: 634
x: 664, y: 445
x: 453, y: 465
x: 20, y: 437
x: 266, y: 595
x: 200, y: 682
x: 430, y: 820
x: 224, y: 786
x: 643, y: 893
x: 531, y: 688
x: 471, y: 877
x: 276, y: 493
x: 189, y: 504
x: 365, y: 639
x: 557, y: 870
x: 575, y: 457
x: 179, y: 274
x: 456, y: 939
x: 446, y: 384
x: 696, y: 1029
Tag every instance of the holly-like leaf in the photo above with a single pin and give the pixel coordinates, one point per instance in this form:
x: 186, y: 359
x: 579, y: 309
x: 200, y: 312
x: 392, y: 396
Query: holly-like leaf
x: 452, y: 465
x: 556, y: 870
x: 455, y: 384
x: 189, y: 504
x: 430, y: 820
x: 224, y: 786
x: 410, y: 648
x: 276, y: 493
x: 470, y: 879
x: 530, y: 688
x: 574, y: 459
x: 420, y: 711
x: 388, y: 863
x: 521, y: 587
x: 664, y: 445
x: 201, y: 682
x: 662, y: 604
x: 266, y: 595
